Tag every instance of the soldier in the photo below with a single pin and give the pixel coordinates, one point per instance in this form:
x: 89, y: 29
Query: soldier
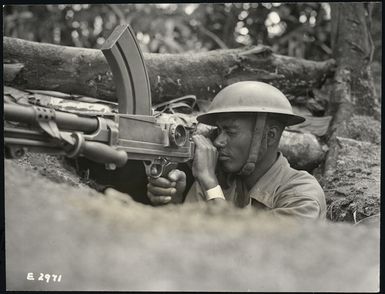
x: 242, y: 165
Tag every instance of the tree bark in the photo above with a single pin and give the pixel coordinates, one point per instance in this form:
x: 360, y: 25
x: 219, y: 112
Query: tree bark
x: 31, y: 65
x: 354, y: 91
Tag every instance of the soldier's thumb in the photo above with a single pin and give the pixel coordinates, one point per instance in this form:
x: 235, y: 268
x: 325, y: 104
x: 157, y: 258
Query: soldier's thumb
x: 177, y: 175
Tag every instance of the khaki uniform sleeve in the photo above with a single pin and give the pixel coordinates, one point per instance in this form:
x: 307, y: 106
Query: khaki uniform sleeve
x: 195, y: 194
x: 299, y: 207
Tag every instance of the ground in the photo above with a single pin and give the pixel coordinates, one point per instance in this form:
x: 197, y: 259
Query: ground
x: 109, y: 242
x: 353, y: 192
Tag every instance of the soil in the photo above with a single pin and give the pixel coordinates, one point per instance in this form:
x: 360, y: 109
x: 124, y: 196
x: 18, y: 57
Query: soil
x: 353, y: 192
x: 109, y: 242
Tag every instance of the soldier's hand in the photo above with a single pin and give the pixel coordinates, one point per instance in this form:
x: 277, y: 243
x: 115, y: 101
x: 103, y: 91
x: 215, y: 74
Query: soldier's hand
x: 167, y: 190
x: 205, y: 160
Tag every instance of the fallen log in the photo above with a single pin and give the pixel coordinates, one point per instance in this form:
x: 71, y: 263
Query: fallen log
x: 31, y: 65
x: 302, y: 150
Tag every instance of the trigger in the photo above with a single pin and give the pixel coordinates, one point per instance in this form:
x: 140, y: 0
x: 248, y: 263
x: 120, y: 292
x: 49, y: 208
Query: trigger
x: 169, y: 167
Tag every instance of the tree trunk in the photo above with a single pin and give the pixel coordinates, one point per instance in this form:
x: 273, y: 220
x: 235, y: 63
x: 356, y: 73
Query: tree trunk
x: 354, y: 91
x: 31, y: 65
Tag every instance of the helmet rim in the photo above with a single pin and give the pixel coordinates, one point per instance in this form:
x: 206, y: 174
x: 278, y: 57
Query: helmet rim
x: 210, y: 118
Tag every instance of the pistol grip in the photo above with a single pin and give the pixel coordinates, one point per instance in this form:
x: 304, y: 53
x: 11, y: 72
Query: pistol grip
x: 159, y: 169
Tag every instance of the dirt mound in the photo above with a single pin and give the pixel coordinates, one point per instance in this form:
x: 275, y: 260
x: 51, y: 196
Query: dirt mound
x: 361, y: 128
x: 109, y: 242
x: 353, y: 191
x: 53, y: 167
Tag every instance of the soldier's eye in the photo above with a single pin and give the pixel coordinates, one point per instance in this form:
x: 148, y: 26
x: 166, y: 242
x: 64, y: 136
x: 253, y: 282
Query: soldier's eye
x: 214, y: 133
x: 231, y: 132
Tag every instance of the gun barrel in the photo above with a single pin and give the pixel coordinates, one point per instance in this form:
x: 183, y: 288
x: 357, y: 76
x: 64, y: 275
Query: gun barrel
x: 29, y: 142
x: 67, y: 121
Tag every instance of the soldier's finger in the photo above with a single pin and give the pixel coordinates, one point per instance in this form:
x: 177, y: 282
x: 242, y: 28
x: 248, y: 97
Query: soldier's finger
x: 202, y: 143
x: 160, y: 182
x: 176, y: 175
x: 158, y: 191
x: 158, y: 199
x: 153, y: 170
x: 199, y: 143
x: 197, y: 140
x: 207, y: 141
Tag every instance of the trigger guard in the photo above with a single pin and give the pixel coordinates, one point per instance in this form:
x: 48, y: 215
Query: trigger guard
x: 148, y: 167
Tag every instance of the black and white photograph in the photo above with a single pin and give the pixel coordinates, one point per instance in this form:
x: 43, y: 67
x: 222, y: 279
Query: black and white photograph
x: 231, y: 147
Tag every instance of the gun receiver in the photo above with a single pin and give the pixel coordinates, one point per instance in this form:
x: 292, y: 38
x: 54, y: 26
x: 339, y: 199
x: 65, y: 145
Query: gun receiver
x: 133, y: 133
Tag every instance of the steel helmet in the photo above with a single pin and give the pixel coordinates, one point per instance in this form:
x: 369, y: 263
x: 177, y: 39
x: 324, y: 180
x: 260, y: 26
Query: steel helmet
x: 250, y: 96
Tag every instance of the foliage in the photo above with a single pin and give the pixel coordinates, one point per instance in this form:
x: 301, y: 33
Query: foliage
x: 294, y: 29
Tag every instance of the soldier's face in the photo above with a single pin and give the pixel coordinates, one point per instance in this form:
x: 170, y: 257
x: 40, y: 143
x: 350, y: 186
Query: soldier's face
x: 233, y: 140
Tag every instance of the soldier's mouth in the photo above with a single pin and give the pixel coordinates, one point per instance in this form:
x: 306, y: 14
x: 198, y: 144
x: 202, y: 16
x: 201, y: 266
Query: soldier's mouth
x: 223, y: 157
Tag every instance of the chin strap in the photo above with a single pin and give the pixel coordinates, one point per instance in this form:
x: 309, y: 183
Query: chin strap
x: 255, y: 145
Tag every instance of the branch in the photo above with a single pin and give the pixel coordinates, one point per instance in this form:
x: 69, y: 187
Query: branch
x: 214, y: 37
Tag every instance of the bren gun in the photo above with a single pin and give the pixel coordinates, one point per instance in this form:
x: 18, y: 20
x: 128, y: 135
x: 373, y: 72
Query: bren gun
x: 109, y: 138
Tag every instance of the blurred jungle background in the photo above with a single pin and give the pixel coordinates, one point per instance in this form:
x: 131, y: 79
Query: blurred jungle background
x: 296, y: 29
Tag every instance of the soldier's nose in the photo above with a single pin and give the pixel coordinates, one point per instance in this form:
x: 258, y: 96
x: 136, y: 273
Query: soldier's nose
x: 220, y: 141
